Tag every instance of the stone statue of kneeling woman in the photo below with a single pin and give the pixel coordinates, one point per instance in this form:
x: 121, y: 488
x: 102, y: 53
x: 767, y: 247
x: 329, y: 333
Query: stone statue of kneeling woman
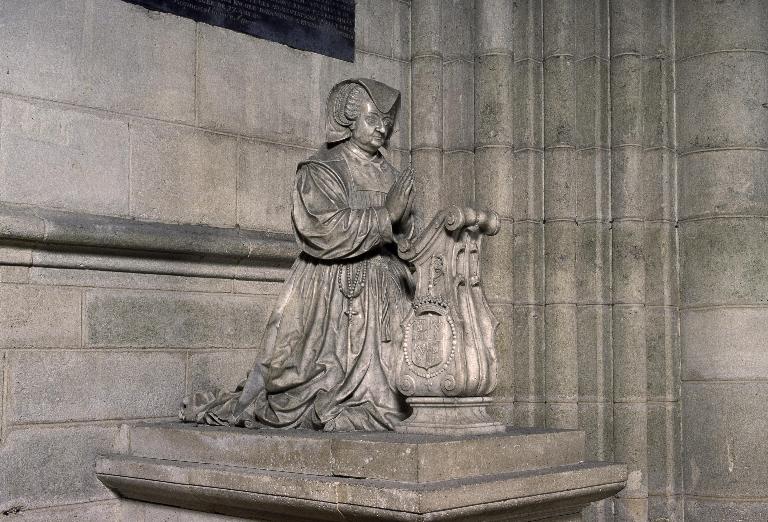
x: 331, y: 345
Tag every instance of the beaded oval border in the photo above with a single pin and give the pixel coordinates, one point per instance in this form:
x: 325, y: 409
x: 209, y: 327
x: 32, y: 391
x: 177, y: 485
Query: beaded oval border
x: 418, y: 371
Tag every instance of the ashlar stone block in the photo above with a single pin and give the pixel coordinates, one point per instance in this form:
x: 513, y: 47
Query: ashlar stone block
x: 725, y: 343
x: 66, y: 454
x: 100, y: 53
x: 66, y: 386
x: 53, y: 156
x: 265, y: 183
x: 732, y: 85
x: 39, y: 316
x: 723, y: 182
x: 220, y: 369
x: 124, y: 318
x: 182, y: 175
x: 724, y: 427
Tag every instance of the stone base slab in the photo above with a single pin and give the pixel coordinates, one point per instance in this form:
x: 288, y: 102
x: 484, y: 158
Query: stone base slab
x: 298, y: 475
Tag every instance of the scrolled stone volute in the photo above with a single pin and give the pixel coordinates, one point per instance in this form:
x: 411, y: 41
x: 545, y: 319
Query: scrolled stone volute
x: 448, y: 347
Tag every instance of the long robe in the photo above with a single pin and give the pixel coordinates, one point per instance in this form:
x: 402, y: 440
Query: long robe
x: 332, y: 341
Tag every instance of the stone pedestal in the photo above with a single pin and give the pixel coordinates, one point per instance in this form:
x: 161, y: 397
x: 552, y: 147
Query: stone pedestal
x: 298, y: 475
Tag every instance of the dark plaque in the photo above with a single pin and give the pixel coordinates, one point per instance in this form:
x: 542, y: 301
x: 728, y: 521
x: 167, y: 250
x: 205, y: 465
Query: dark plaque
x: 322, y: 26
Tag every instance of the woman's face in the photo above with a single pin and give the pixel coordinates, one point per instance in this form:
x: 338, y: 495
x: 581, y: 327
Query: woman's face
x: 371, y: 128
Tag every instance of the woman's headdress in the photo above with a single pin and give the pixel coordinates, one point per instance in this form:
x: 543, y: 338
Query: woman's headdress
x: 385, y: 98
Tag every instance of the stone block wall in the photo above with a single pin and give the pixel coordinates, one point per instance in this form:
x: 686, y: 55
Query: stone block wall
x: 622, y: 142
x: 125, y: 136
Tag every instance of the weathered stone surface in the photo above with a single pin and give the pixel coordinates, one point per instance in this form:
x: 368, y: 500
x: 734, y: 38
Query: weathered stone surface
x: 527, y: 101
x: 402, y: 30
x: 427, y: 78
x: 528, y: 414
x: 591, y: 29
x: 65, y: 453
x: 658, y: 99
x: 106, y: 279
x: 723, y: 182
x: 661, y: 507
x: 496, y: 261
x: 493, y: 100
x: 561, y: 378
x: 182, y: 175
x: 458, y: 31
x: 560, y: 183
x: 100, y: 511
x: 732, y: 85
x: 458, y: 105
x: 528, y: 331
x: 38, y: 316
x: 386, y: 456
x: 559, y: 101
x: 658, y: 178
x: 629, y: 353
x: 11, y: 254
x: 629, y: 272
x: 721, y: 25
x: 626, y: 100
x: 457, y: 185
x: 725, y: 343
x: 344, y: 478
x: 592, y: 103
x: 115, y: 318
x: 527, y: 30
x: 660, y: 250
x: 596, y: 419
x: 630, y: 432
x: 627, y: 27
x: 265, y: 183
x: 374, y: 26
x: 222, y: 369
x: 627, y: 192
x: 56, y: 157
x: 257, y: 98
x: 257, y: 287
x: 593, y: 263
x: 562, y: 415
x: 722, y: 261
x: 663, y: 353
x: 527, y: 185
x: 558, y: 28
x: 495, y: 184
x: 14, y: 274
x: 560, y: 238
x: 595, y: 357
x: 504, y: 351
x: 133, y: 511
x: 65, y: 386
x: 664, y: 449
x: 81, y: 56
x: 724, y: 425
x: 426, y: 24
x: 493, y: 19
x: 717, y: 510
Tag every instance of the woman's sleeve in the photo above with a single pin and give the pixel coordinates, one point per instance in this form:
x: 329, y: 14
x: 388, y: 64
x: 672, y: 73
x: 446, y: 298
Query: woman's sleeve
x: 325, y: 225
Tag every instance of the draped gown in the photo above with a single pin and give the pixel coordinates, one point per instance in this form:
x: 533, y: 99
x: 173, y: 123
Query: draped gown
x: 331, y: 344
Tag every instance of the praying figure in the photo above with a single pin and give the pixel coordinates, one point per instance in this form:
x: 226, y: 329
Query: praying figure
x: 330, y: 348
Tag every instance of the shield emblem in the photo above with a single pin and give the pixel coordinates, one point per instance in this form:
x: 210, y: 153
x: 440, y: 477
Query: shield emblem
x: 429, y: 341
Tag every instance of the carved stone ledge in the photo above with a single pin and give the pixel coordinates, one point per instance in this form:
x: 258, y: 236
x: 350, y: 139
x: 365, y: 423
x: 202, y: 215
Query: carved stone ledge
x: 76, y: 240
x: 298, y: 475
